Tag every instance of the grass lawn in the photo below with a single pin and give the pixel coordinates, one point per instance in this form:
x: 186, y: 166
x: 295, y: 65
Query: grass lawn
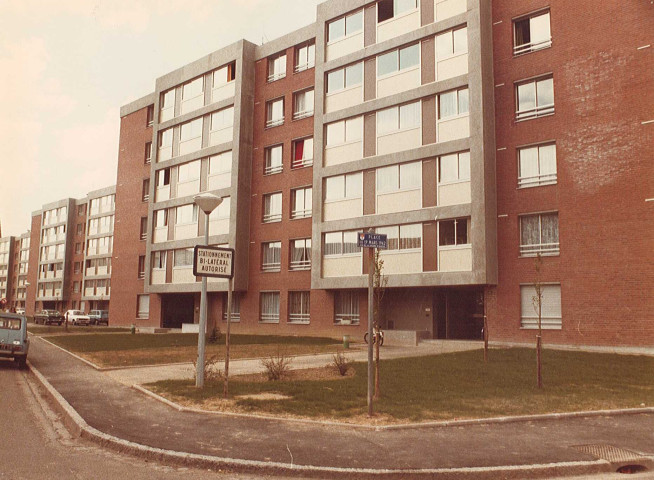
x: 151, y: 349
x: 54, y: 329
x: 444, y: 387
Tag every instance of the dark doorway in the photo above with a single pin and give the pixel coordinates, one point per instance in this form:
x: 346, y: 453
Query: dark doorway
x: 458, y: 314
x: 177, y: 309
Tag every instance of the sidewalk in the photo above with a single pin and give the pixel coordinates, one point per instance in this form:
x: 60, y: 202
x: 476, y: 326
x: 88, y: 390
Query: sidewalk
x: 523, y: 449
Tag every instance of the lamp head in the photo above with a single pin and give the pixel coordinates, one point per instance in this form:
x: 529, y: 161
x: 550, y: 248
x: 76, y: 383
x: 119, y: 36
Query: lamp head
x: 207, y: 202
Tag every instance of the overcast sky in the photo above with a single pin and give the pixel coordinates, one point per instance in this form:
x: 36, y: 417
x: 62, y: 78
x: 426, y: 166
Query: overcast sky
x: 67, y: 66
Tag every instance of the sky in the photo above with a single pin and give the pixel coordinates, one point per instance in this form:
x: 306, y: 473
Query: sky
x: 67, y: 66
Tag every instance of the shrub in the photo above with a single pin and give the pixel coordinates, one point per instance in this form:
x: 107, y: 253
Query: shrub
x: 277, y: 367
x: 215, y: 335
x: 341, y: 363
x: 212, y: 372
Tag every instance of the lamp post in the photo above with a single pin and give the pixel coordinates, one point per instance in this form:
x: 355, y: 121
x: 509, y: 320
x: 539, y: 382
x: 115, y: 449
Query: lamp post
x: 208, y: 203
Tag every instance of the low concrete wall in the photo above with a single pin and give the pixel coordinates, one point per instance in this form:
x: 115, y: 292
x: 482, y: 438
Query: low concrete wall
x: 403, y: 337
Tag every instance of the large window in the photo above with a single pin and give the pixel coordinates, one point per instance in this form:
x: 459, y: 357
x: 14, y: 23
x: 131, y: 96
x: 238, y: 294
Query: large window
x: 236, y: 308
x: 159, y: 260
x: 301, y: 202
x: 539, y: 234
x: 186, y: 215
x: 535, y: 98
x: 387, y: 9
x: 345, y: 131
x: 222, y: 119
x: 550, y: 306
x: 277, y: 67
x: 299, y: 307
x: 452, y: 104
x: 191, y: 130
x: 454, y: 232
x: 305, y: 56
x: 346, y: 307
x: 345, y: 26
x: 344, y: 78
x: 301, y: 254
x: 399, y: 118
x: 341, y: 243
x: 269, y: 307
x: 537, y: 165
x: 160, y: 218
x: 193, y: 89
x: 167, y: 105
x: 275, y: 113
x: 224, y: 75
x: 273, y: 157
x: 454, y: 168
x: 272, y: 207
x: 302, y: 152
x: 271, y: 256
x: 303, y: 104
x: 402, y: 237
x: 344, y: 187
x: 183, y: 258
x: 532, y: 33
x: 407, y: 176
x: 398, y: 60
x: 189, y: 172
x: 454, y: 42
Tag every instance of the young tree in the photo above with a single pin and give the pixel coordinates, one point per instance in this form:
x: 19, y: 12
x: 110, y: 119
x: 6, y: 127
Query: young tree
x: 537, y: 301
x: 380, y: 281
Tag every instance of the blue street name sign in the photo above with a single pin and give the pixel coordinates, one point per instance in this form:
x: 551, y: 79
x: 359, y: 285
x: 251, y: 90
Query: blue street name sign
x: 372, y: 240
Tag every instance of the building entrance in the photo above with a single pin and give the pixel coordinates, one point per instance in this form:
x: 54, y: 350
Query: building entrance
x: 458, y: 314
x: 176, y: 310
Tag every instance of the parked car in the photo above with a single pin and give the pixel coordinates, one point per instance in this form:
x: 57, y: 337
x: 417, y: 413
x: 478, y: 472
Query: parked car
x: 77, y: 317
x: 48, y: 317
x: 99, y: 316
x: 20, y: 311
x: 14, y: 342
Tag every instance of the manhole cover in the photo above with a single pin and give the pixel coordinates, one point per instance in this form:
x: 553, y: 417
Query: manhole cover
x: 609, y: 453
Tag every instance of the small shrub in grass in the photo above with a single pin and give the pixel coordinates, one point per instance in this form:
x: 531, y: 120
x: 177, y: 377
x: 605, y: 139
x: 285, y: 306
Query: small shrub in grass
x: 277, y: 367
x: 341, y: 363
x: 215, y: 335
x: 212, y: 373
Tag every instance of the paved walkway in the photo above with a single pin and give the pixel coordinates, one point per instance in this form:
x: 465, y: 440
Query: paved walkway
x: 112, y: 407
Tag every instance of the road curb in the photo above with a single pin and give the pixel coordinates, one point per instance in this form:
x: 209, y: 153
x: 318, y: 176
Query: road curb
x: 78, y: 426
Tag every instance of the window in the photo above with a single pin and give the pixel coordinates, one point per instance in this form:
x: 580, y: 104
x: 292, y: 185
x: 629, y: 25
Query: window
x: 302, y: 153
x: 193, y: 89
x: 532, y: 33
x: 301, y: 254
x: 159, y: 261
x: 144, y: 228
x: 167, y: 105
x: 539, y: 234
x: 141, y: 272
x: 454, y: 168
x: 191, y: 130
x: 221, y: 163
x: 187, y: 215
x: 80, y: 228
x: 275, y: 113
x: 77, y: 267
x: 535, y: 98
x: 345, y: 131
x: 341, y: 243
x: 403, y: 237
x: 162, y: 177
x: 143, y: 306
x: 224, y: 75
x: 398, y: 60
x: 452, y: 43
x: 221, y: 212
x: 344, y: 78
x: 452, y: 104
x: 346, y: 307
x: 236, y: 308
x: 166, y: 138
x: 150, y: 116
x: 345, y: 26
x: 387, y: 9
x: 269, y: 307
x: 188, y: 172
x: 271, y: 256
x: 407, y: 176
x: 537, y: 166
x: 305, y: 56
x: 277, y: 67
x: 148, y: 153
x: 551, y: 318
x: 272, y: 207
x: 160, y: 218
x: 222, y: 119
x: 76, y: 287
x: 299, y: 307
x: 273, y: 158
x: 78, y: 247
x: 81, y: 209
x: 301, y: 202
x: 394, y: 119
x: 183, y: 258
x: 302, y: 104
x: 454, y: 232
x: 145, y: 193
x: 344, y: 187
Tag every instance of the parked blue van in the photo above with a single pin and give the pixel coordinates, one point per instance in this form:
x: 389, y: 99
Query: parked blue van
x: 13, y: 338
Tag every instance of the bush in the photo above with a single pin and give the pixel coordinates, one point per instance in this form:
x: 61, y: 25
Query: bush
x: 277, y: 367
x: 215, y: 335
x: 341, y: 363
x: 212, y: 373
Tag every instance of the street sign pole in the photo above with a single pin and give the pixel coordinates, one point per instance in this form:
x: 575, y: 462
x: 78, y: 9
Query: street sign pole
x: 199, y: 368
x: 371, y: 289
x: 230, y: 288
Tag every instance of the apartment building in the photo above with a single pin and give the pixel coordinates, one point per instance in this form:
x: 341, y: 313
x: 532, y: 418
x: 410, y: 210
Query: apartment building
x: 18, y: 294
x: 478, y: 137
x: 7, y: 249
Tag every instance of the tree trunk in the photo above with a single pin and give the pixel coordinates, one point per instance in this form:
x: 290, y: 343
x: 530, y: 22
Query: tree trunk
x: 538, y: 361
x: 377, y: 393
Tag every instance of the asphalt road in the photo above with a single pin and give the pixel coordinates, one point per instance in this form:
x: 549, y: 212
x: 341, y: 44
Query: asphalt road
x: 35, y: 445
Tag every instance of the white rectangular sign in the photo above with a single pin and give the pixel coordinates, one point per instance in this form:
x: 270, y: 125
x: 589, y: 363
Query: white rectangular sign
x: 213, y: 262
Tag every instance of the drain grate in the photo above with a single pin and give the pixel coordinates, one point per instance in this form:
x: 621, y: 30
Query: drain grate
x: 609, y: 453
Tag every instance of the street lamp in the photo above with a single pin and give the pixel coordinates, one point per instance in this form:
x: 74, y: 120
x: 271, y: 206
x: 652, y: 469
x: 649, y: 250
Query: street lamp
x: 208, y: 203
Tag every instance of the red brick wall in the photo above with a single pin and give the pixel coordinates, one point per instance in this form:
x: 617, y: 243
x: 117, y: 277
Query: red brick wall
x: 71, y: 277
x: 603, y: 92
x: 33, y: 266
x: 127, y: 247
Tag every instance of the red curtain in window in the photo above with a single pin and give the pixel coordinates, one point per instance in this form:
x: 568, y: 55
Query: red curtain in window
x: 299, y: 150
